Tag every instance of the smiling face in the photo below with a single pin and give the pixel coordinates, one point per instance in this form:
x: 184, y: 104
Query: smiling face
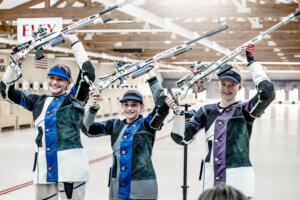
x: 228, y: 90
x: 132, y: 110
x: 57, y: 85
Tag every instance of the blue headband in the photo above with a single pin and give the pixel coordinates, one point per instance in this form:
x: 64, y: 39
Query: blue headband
x: 59, y: 72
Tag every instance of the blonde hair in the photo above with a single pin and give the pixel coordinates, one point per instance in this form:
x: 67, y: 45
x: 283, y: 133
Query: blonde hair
x: 64, y: 67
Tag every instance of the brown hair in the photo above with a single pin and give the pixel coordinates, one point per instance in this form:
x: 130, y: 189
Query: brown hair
x: 222, y: 192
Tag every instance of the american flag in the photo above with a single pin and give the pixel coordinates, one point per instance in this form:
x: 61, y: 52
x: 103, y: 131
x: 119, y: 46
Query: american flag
x: 42, y: 63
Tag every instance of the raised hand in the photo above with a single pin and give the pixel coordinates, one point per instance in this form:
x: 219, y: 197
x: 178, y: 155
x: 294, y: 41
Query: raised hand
x: 70, y: 38
x: 153, y: 72
x: 20, y: 60
x: 95, y: 99
x: 170, y: 102
x: 249, y: 52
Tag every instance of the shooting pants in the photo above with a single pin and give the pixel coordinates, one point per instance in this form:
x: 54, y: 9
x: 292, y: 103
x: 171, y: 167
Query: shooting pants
x: 53, y: 190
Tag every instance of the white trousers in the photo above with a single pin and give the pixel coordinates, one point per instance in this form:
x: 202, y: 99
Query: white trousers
x: 54, y: 190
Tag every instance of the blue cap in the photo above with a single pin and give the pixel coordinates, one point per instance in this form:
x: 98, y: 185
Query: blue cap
x: 232, y: 75
x: 132, y: 95
x: 59, y: 72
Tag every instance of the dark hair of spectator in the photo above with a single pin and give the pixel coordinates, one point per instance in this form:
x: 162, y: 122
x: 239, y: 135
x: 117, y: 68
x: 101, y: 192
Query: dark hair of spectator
x: 222, y: 192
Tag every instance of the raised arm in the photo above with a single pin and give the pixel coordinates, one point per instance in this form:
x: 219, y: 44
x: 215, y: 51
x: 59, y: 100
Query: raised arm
x: 155, y: 86
x: 184, y: 132
x: 81, y: 88
x: 265, y: 88
x: 8, y: 91
x: 88, y: 125
x: 154, y: 120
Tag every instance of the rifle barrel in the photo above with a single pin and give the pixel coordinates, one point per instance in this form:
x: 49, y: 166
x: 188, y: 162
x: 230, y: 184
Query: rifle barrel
x: 210, y: 33
x: 108, y: 10
x: 119, y: 5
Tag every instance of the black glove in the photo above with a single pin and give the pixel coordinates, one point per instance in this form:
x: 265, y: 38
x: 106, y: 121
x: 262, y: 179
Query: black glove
x: 88, y: 70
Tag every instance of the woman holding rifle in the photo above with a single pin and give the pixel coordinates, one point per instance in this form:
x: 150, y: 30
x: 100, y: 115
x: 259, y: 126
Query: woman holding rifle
x: 228, y: 127
x: 132, y: 174
x: 61, y: 164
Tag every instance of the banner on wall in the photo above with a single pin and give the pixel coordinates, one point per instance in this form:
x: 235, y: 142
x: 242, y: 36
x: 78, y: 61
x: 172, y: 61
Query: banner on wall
x: 26, y: 26
x: 3, y: 64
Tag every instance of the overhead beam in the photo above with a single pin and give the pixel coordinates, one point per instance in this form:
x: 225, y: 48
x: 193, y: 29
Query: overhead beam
x: 193, y: 11
x: 68, y: 50
x: 199, y: 27
x: 149, y: 17
x: 234, y: 25
x: 88, y: 3
x: 241, y: 6
x: 27, y: 5
x: 66, y: 13
x: 58, y: 3
x: 47, y: 3
x: 69, y: 3
x: 259, y: 51
x: 111, y: 36
x: 5, y: 27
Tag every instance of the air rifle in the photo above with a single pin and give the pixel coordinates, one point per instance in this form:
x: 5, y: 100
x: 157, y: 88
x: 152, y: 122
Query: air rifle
x: 177, y: 110
x: 140, y: 68
x: 203, y: 71
x: 41, y: 37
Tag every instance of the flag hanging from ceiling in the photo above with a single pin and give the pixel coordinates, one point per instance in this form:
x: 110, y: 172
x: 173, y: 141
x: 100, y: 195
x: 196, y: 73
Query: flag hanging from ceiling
x: 42, y: 63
